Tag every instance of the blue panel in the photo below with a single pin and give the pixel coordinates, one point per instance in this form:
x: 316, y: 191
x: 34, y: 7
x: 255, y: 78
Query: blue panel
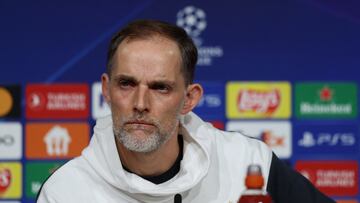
x: 326, y: 139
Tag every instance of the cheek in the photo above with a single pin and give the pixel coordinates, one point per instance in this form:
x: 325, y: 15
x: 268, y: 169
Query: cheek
x: 171, y: 110
x: 119, y: 102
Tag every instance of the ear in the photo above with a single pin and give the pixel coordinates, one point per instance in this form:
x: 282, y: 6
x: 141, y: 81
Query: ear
x: 105, y: 86
x: 193, y: 95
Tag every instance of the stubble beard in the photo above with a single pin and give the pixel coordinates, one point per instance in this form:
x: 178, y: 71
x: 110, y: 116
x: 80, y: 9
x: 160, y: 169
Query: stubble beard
x: 144, y: 144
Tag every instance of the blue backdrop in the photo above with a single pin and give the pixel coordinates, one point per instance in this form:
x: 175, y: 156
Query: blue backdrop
x: 248, y: 40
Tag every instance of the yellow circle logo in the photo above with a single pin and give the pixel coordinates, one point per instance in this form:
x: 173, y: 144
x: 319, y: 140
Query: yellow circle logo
x: 6, y: 101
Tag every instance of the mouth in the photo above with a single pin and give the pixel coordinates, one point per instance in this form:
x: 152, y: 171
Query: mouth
x: 139, y: 123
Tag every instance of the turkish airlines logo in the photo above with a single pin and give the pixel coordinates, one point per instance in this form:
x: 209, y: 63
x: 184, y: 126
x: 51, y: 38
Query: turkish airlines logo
x: 56, y: 140
x: 338, y: 178
x: 37, y: 101
x: 57, y: 101
x: 259, y: 101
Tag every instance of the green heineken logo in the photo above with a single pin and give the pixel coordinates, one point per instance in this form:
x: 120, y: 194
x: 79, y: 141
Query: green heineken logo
x: 36, y: 174
x: 326, y: 100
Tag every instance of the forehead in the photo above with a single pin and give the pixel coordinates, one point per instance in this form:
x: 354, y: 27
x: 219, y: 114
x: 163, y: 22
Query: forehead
x: 154, y: 57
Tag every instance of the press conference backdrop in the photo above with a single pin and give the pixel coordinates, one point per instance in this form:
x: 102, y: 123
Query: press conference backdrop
x: 282, y: 71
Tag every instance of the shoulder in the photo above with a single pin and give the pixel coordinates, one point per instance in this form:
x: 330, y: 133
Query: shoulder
x: 65, y: 182
x: 287, y: 185
x: 235, y: 142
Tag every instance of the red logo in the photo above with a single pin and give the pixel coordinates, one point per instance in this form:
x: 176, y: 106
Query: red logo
x: 326, y: 94
x: 271, y: 139
x: 259, y: 101
x: 334, y: 178
x: 5, y: 179
x: 57, y: 101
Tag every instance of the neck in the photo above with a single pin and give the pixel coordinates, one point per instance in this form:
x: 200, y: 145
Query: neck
x: 150, y: 163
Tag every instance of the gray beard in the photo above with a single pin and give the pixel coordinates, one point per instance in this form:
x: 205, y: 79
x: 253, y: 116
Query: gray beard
x: 148, y: 144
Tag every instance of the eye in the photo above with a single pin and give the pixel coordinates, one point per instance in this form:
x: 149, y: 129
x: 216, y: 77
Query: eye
x: 125, y: 84
x: 162, y: 88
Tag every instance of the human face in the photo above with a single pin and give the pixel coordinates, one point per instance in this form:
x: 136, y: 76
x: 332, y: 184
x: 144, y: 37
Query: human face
x: 146, y: 93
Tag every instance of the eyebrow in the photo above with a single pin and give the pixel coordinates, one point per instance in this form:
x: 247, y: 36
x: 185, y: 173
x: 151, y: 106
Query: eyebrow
x: 151, y: 83
x: 125, y: 77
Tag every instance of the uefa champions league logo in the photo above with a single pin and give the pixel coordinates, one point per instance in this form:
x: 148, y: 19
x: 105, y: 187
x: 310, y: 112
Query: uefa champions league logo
x: 193, y: 21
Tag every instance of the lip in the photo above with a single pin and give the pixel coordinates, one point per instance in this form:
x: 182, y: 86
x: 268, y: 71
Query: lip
x: 139, y: 123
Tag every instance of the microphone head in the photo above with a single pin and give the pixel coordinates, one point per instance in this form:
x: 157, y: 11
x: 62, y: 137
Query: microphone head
x: 177, y: 198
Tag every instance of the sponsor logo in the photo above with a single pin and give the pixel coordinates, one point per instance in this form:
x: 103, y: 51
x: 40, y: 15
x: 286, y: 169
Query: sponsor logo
x: 210, y: 101
x: 337, y: 178
x: 347, y: 201
x: 10, y: 140
x: 211, y: 105
x: 323, y: 138
x: 10, y: 97
x: 276, y: 134
x: 56, y: 140
x: 326, y: 100
x: 342, y: 139
x: 39, y: 173
x: 99, y: 106
x: 265, y: 102
x: 10, y: 180
x: 193, y: 21
x: 258, y: 100
x: 57, y: 101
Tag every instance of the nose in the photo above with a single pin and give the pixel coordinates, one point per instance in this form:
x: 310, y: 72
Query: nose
x: 141, y: 100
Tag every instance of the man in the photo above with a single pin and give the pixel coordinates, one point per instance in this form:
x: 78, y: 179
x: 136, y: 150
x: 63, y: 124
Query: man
x: 152, y: 148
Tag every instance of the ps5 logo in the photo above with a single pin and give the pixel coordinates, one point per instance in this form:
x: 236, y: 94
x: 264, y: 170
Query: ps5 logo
x: 327, y: 139
x: 210, y: 100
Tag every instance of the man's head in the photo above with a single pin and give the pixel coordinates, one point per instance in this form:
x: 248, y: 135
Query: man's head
x: 145, y: 29
x: 147, y: 86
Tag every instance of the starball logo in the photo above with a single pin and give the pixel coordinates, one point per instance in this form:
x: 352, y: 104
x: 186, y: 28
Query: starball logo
x: 193, y: 20
x: 338, y: 178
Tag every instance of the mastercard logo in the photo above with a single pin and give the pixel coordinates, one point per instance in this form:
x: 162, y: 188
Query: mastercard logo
x: 6, y: 103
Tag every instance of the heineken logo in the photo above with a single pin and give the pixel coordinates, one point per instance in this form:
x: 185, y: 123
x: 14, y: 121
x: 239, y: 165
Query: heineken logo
x: 308, y: 108
x: 330, y: 100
